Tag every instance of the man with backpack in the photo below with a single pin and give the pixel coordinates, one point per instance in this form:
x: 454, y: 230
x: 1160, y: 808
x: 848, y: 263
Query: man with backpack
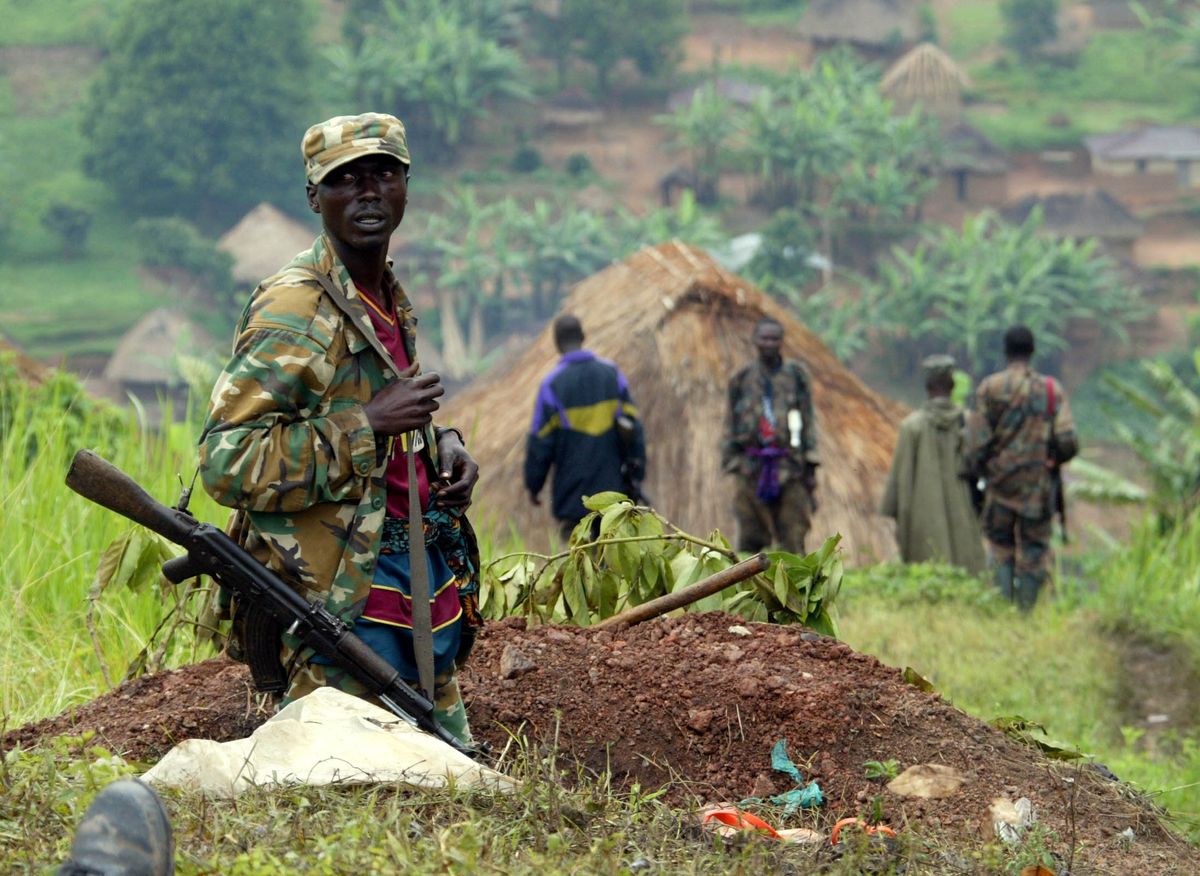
x: 1020, y: 432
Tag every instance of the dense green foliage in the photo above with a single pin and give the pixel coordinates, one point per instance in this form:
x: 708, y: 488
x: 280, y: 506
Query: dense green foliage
x: 435, y: 65
x: 199, y: 105
x: 1169, y: 447
x: 646, y: 32
x: 823, y: 143
x: 704, y: 128
x: 957, y: 292
x: 638, y: 555
x: 1029, y: 24
x: 506, y: 263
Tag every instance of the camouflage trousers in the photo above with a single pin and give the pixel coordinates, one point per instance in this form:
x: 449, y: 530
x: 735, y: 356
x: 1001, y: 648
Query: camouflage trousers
x: 783, y: 524
x: 1018, y: 550
x: 448, y: 707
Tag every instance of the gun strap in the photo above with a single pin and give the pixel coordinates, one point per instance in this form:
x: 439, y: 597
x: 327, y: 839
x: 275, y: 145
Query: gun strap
x: 422, y: 613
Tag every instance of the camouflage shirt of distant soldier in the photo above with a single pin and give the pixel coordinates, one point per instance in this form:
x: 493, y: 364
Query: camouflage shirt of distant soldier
x: 1019, y: 431
x: 770, y: 446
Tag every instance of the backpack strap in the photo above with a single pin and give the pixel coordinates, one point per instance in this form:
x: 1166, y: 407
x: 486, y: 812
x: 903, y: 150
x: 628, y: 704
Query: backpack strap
x: 1051, y: 401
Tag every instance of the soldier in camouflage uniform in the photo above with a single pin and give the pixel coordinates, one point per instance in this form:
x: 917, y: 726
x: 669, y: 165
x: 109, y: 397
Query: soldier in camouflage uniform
x: 1020, y: 429
x: 770, y: 446
x: 301, y: 433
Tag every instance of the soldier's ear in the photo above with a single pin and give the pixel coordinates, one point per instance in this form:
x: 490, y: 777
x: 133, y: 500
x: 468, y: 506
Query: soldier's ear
x: 310, y: 191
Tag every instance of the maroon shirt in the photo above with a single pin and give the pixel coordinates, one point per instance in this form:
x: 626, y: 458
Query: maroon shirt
x: 387, y: 327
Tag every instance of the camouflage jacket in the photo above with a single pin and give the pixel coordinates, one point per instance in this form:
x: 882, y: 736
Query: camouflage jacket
x: 790, y: 390
x: 1012, y: 439
x: 287, y: 443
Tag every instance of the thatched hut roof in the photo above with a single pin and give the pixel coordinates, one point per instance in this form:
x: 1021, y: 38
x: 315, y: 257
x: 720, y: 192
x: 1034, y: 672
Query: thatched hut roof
x: 679, y: 325
x: 864, y: 22
x: 965, y: 148
x: 263, y: 241
x: 146, y: 353
x: 926, y: 76
x: 1094, y: 213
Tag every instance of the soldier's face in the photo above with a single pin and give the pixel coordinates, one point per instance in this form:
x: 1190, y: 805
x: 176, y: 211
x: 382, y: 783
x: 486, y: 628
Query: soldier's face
x: 769, y: 341
x: 362, y: 203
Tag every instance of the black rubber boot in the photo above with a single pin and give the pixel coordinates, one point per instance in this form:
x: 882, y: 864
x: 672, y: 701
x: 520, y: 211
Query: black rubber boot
x: 1004, y: 581
x: 1027, y: 587
x: 125, y: 832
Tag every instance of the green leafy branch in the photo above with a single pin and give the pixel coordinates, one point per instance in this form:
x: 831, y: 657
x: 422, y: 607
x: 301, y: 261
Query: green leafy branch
x: 636, y: 555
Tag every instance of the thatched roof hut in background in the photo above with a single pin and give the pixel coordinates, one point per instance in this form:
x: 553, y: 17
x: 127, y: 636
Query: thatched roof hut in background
x: 878, y: 26
x: 264, y: 241
x: 926, y: 77
x: 145, y: 355
x: 679, y: 325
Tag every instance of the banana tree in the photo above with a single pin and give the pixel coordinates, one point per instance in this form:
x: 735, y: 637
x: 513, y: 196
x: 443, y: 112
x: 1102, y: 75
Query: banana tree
x: 704, y: 128
x: 434, y: 66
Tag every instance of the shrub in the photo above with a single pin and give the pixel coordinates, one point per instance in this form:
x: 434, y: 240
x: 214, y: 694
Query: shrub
x: 175, y: 243
x: 526, y: 160
x: 71, y: 224
x: 578, y: 164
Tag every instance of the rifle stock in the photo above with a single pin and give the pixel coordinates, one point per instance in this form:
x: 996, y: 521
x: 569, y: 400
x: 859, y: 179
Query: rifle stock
x: 211, y: 552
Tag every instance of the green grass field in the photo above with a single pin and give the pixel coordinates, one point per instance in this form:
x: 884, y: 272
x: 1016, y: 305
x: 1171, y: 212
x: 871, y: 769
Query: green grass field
x: 55, y: 22
x: 1046, y: 105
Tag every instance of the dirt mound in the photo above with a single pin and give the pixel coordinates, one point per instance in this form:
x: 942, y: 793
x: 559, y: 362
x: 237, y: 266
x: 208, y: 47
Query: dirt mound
x: 144, y: 718
x: 698, y: 703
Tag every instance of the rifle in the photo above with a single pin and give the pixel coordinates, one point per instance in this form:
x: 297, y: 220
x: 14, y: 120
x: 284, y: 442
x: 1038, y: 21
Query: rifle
x: 211, y: 552
x: 1058, y: 502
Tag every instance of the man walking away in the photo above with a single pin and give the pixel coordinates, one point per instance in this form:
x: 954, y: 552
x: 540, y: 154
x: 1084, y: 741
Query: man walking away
x: 586, y: 427
x: 1019, y: 432
x: 926, y: 492
x: 770, y: 446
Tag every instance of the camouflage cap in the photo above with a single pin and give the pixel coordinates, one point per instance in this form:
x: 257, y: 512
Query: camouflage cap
x: 937, y: 365
x: 342, y: 139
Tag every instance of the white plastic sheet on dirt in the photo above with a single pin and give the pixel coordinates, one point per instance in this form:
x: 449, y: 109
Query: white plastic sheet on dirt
x: 327, y: 737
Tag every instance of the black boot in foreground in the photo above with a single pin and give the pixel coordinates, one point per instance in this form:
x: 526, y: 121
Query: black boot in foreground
x: 125, y: 832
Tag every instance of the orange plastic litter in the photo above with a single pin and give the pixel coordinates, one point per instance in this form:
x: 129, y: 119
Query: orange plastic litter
x: 867, y: 828
x: 739, y: 819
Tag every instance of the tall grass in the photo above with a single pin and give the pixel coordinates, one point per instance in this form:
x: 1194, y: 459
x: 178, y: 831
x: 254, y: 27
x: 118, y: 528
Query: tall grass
x: 1151, y: 586
x: 51, y: 539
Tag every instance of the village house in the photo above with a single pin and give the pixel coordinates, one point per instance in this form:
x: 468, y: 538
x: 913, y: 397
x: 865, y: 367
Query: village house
x: 877, y: 29
x: 1166, y: 152
x: 1081, y: 215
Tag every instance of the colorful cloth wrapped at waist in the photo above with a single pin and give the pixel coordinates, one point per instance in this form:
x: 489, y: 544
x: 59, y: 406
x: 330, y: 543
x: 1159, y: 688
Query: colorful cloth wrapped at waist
x: 452, y: 576
x: 768, y: 489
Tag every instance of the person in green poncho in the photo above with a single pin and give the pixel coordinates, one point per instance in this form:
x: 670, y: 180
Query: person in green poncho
x: 926, y: 494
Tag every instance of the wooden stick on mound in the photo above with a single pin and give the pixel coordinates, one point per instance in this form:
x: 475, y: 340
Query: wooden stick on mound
x: 669, y: 602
